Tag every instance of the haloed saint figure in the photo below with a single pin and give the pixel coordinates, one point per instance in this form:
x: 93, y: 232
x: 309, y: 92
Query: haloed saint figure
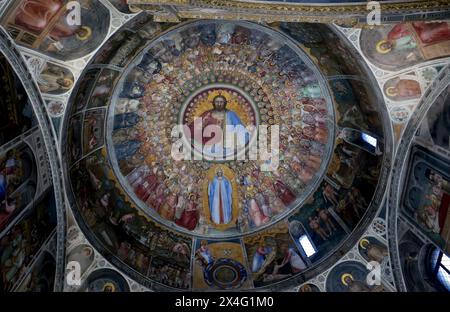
x: 220, y: 199
x: 229, y: 123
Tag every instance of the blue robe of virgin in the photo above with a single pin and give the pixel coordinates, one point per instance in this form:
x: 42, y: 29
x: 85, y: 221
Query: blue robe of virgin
x: 222, y: 187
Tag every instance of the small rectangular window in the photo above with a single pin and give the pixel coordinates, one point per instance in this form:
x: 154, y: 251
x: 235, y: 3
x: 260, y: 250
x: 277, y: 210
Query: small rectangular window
x: 307, y: 245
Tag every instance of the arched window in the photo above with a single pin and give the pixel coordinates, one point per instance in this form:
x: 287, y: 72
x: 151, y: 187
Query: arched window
x: 440, y: 266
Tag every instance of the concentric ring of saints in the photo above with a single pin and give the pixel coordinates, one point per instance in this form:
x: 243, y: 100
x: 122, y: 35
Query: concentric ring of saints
x: 243, y: 81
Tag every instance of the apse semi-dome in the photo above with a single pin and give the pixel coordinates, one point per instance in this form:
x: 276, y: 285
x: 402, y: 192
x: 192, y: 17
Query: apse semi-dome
x: 225, y: 220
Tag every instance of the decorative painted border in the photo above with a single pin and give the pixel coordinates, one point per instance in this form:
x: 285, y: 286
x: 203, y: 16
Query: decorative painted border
x: 299, y: 7
x: 8, y: 48
x: 314, y: 12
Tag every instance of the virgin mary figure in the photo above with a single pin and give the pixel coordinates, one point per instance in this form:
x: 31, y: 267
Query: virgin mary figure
x: 220, y: 199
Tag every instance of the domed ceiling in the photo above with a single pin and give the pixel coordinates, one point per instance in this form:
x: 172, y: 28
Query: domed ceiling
x: 185, y: 212
x: 246, y: 72
x: 222, y: 145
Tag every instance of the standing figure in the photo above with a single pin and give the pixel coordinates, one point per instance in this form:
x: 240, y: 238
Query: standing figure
x: 324, y: 216
x: 257, y: 216
x: 167, y: 209
x: 190, y: 216
x: 314, y: 224
x: 283, y: 192
x: 330, y: 195
x: 220, y: 199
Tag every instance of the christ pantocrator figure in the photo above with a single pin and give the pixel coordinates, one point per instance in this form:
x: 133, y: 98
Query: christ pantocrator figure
x: 229, y: 123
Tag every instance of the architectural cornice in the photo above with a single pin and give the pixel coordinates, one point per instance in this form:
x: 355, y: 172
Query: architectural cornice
x: 272, y: 11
